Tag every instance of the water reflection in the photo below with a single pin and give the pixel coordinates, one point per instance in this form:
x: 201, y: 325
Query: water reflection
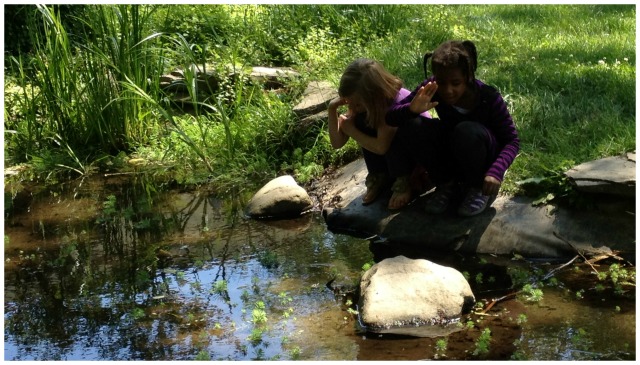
x: 115, y: 270
x: 160, y: 276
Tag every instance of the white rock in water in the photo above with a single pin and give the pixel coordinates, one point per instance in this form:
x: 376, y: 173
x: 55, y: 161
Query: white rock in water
x: 280, y: 197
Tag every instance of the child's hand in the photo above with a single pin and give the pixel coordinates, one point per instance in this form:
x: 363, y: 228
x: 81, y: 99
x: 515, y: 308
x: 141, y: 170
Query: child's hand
x: 491, y: 186
x: 346, y: 123
x: 422, y: 101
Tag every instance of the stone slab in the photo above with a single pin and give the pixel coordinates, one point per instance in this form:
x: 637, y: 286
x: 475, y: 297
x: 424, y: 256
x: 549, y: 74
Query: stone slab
x: 511, y: 226
x: 612, y: 175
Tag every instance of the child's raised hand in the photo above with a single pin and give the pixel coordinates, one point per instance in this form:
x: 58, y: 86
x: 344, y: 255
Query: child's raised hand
x: 422, y: 101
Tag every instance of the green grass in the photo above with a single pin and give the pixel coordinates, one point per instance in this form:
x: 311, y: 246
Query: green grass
x: 79, y: 100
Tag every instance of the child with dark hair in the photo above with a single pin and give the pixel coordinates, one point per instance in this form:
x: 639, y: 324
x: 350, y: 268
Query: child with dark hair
x: 369, y: 91
x: 474, y: 140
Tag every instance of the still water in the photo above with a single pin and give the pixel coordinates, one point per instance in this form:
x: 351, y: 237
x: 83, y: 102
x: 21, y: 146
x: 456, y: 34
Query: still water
x: 118, y: 269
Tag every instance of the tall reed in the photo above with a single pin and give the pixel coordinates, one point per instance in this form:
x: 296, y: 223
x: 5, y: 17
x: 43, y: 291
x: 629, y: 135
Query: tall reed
x: 76, y: 82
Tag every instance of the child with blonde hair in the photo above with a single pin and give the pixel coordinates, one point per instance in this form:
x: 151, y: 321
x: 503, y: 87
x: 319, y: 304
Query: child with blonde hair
x: 369, y: 91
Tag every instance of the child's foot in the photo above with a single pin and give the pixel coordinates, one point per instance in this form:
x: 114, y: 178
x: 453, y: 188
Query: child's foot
x: 475, y: 203
x: 375, y: 183
x: 439, y: 200
x: 402, y: 193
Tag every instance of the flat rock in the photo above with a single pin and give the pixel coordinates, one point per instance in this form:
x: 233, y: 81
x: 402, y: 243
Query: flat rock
x: 512, y: 225
x: 315, y: 98
x: 612, y: 175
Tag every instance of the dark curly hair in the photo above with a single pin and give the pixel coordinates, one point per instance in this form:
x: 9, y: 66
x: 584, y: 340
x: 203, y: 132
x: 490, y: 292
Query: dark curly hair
x: 454, y: 54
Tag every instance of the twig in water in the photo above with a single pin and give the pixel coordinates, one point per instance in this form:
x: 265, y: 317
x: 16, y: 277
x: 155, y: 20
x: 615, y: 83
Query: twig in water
x: 576, y: 249
x: 493, y: 302
x: 550, y: 273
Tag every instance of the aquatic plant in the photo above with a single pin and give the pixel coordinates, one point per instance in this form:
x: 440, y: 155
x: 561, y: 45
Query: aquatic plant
x: 441, y: 348
x: 483, y: 342
x: 531, y: 293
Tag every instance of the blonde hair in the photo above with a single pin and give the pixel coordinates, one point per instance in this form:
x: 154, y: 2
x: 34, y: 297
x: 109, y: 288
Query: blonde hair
x: 376, y: 87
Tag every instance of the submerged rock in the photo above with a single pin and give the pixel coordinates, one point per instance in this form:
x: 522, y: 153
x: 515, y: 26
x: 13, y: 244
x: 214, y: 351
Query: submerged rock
x: 413, y: 296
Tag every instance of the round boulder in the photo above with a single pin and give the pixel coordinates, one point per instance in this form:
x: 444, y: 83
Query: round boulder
x: 413, y: 297
x: 281, y: 197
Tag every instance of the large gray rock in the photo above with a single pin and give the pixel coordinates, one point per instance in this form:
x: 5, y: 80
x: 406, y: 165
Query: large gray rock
x: 613, y: 175
x: 315, y: 98
x: 279, y: 198
x: 207, y: 80
x: 413, y: 296
x: 512, y: 225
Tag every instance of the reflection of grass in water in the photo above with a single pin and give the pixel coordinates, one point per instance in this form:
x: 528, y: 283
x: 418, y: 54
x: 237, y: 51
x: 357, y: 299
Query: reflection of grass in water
x: 269, y: 259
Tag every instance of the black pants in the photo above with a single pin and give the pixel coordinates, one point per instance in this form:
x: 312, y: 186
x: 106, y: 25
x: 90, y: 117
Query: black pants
x: 448, y: 153
x: 396, y: 162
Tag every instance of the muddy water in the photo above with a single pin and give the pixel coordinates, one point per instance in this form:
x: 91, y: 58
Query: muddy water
x: 125, y: 270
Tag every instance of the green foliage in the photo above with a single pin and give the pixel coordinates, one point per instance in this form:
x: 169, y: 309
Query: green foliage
x: 522, y: 319
x: 482, y: 343
x: 617, y: 277
x: 198, y: 24
x: 295, y: 353
x: 258, y: 315
x: 531, y: 293
x: 367, y: 266
x: 137, y: 313
x: 68, y: 87
x: 203, y: 356
x: 269, y: 259
x: 553, y: 186
x: 441, y: 348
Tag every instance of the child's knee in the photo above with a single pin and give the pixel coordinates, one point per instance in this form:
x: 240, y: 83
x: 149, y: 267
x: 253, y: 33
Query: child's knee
x: 470, y: 135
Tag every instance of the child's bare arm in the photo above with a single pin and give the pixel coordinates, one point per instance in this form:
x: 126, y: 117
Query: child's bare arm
x: 378, y: 145
x: 336, y: 136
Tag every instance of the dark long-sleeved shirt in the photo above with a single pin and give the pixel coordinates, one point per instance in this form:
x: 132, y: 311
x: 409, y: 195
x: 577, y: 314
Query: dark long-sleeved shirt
x: 490, y: 110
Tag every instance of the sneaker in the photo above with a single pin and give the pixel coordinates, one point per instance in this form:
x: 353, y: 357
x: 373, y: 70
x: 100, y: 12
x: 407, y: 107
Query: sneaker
x: 475, y: 203
x: 439, y: 200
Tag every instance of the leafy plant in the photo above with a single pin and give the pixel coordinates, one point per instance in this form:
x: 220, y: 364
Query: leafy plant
x: 258, y: 315
x: 483, y: 342
x: 441, y: 348
x: 522, y: 319
x: 554, y: 186
x: 531, y: 293
x: 618, y: 277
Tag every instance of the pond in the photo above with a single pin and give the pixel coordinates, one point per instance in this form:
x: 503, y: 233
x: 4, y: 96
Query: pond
x: 120, y: 269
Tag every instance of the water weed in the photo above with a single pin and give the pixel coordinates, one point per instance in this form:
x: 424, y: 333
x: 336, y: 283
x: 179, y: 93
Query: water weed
x: 483, y: 343
x: 441, y: 348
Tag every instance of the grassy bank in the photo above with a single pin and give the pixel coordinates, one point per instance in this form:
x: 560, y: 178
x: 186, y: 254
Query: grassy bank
x: 85, y: 97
